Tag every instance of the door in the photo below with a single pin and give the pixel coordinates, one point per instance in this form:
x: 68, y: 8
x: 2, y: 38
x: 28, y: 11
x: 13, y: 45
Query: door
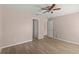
x: 35, y: 29
x: 50, y: 28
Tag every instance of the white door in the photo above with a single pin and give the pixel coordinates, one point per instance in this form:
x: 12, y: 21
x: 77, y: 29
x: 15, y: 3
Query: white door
x: 50, y: 28
x: 35, y: 29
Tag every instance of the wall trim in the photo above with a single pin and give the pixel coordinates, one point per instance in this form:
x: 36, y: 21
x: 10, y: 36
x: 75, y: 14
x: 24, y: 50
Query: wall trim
x: 15, y: 44
x: 67, y: 41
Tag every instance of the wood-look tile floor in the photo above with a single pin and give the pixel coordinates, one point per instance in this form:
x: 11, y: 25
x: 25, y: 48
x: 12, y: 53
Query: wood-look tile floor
x: 43, y: 46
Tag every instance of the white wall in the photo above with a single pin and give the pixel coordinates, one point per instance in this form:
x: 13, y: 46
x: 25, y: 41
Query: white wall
x: 67, y: 27
x: 17, y: 24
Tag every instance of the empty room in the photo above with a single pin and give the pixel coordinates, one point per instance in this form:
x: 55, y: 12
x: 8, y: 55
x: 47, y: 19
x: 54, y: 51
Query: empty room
x: 39, y: 28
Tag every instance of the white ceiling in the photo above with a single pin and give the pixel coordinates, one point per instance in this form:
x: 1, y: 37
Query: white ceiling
x: 65, y: 9
x: 35, y: 8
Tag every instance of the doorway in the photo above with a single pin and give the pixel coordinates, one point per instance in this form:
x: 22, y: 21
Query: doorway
x: 50, y: 28
x: 35, y: 29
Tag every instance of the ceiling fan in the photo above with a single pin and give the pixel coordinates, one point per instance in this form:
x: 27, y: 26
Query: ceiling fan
x: 51, y: 9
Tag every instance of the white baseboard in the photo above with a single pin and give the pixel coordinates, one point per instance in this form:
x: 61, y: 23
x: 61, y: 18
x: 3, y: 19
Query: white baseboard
x: 67, y: 41
x: 15, y: 44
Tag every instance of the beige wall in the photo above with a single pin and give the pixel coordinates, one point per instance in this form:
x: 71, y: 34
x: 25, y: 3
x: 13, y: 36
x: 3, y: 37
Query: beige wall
x: 67, y: 28
x: 1, y: 27
x: 17, y: 25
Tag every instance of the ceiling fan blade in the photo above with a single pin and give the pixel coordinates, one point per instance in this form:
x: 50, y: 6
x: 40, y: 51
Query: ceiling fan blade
x: 53, y: 5
x: 57, y: 9
x: 45, y: 12
x: 49, y: 7
x: 46, y: 8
